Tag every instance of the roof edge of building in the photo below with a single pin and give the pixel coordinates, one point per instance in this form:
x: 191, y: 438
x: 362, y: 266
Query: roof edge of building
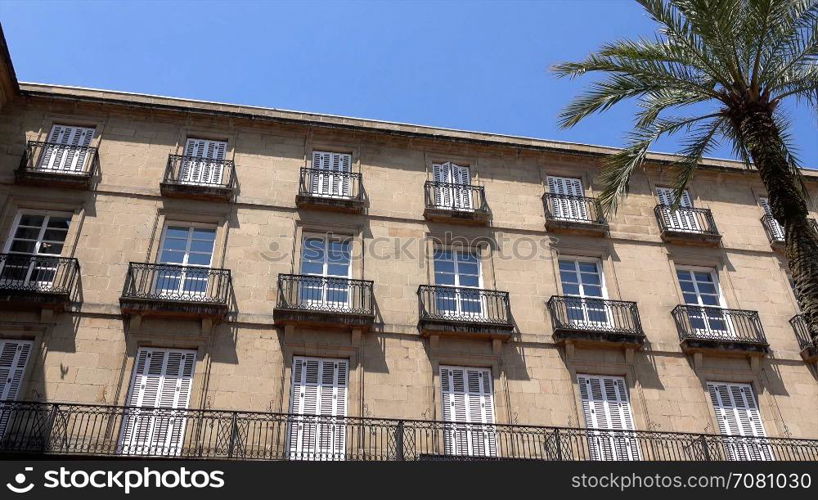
x: 335, y: 121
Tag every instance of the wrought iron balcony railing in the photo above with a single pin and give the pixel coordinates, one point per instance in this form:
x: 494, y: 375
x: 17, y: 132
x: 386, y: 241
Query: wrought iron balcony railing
x: 715, y: 324
x: 799, y: 325
x: 686, y: 221
x: 329, y: 183
x: 453, y: 197
x: 199, y: 177
x: 607, y: 319
x: 464, y: 305
x: 174, y: 283
x: 574, y: 209
x: 107, y: 431
x: 62, y: 163
x: 38, y: 274
x: 325, y: 294
x: 775, y: 233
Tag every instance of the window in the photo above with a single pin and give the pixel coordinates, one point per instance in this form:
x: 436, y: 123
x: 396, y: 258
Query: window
x: 738, y: 416
x: 203, y: 162
x: 459, y: 270
x: 188, y: 251
x: 606, y: 406
x: 66, y: 150
x: 39, y: 234
x: 569, y: 204
x: 331, y: 174
x: 327, y: 258
x: 318, y: 397
x: 162, y: 380
x: 452, y: 183
x: 682, y: 219
x: 14, y: 355
x: 775, y: 228
x: 700, y: 289
x: 468, y: 409
x: 582, y: 279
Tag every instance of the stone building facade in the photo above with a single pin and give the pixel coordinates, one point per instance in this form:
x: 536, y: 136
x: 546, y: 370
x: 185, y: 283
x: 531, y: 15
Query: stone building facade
x: 403, y: 207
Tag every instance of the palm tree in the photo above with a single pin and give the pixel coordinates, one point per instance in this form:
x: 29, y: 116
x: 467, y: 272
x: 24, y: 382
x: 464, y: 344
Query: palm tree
x: 739, y: 59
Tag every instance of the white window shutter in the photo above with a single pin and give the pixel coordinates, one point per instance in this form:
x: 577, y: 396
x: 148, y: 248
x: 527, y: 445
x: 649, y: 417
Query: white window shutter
x: 606, y: 406
x: 14, y: 356
x: 57, y: 156
x: 775, y: 227
x: 161, y: 383
x: 739, y: 418
x: 566, y: 208
x: 468, y: 409
x: 203, y: 162
x: 441, y: 173
x: 680, y: 219
x: 461, y: 175
x: 318, y: 397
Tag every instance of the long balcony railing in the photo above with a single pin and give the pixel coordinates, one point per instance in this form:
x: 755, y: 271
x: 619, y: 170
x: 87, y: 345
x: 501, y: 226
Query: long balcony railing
x: 174, y: 283
x: 38, y: 274
x: 325, y: 294
x: 692, y: 221
x: 719, y: 325
x: 575, y: 209
x: 464, y: 305
x: 48, y: 160
x: 107, y: 431
x: 455, y: 200
x: 602, y: 316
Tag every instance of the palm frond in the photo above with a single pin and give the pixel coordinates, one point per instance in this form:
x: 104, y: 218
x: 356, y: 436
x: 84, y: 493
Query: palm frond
x: 616, y: 174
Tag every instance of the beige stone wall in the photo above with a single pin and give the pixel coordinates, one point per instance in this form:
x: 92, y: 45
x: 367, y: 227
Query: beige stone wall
x: 87, y: 355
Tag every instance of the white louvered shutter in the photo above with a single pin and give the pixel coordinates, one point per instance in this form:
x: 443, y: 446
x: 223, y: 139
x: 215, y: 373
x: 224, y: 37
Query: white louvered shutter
x: 567, y: 208
x: 58, y: 155
x: 775, y: 227
x: 203, y: 162
x: 739, y: 418
x: 606, y: 406
x: 441, y: 174
x: 468, y: 409
x: 161, y: 383
x: 681, y: 219
x: 14, y: 356
x: 319, y: 399
x: 461, y: 176
x: 332, y: 176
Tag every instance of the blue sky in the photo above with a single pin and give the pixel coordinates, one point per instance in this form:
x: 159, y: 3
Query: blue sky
x: 469, y: 65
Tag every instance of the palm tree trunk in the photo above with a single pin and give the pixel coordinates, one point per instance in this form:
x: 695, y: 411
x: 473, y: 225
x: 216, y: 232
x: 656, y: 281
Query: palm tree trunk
x: 788, y: 207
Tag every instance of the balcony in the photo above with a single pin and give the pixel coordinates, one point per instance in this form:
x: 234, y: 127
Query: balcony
x: 171, y: 291
x: 324, y: 301
x: 464, y: 312
x: 330, y: 190
x: 689, y: 226
x: 775, y: 233
x: 596, y: 322
x: 808, y: 345
x: 38, y: 282
x: 718, y: 330
x: 199, y: 178
x: 574, y: 215
x: 57, y: 165
x: 449, y: 202
x: 84, y: 430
